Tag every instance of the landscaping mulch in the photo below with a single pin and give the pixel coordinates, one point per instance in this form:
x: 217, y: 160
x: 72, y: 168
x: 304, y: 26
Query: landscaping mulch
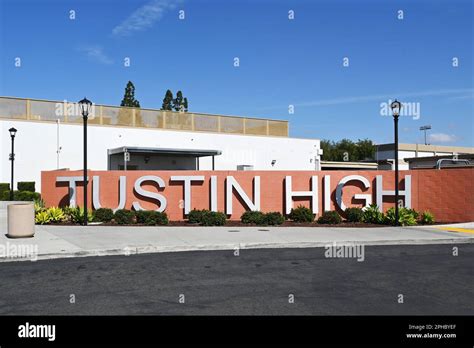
x: 231, y: 223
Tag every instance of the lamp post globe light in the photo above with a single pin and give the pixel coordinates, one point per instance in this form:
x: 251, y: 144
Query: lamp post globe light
x: 85, y: 105
x: 12, y: 158
x: 396, y: 106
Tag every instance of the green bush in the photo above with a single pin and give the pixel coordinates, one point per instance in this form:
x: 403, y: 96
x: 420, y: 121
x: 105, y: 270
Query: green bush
x: 301, y: 214
x: 413, y: 212
x: 427, y: 218
x: 161, y: 218
x: 330, y: 217
x: 262, y: 219
x: 4, y: 187
x: 274, y: 218
x: 124, y: 217
x: 42, y: 218
x: 28, y: 196
x: 26, y: 186
x: 406, y: 217
x: 213, y: 218
x: 142, y: 216
x: 76, y: 215
x: 151, y: 218
x: 253, y: 217
x: 103, y: 215
x: 21, y: 196
x: 39, y: 205
x: 55, y: 214
x: 372, y: 215
x: 354, y: 214
x: 195, y: 216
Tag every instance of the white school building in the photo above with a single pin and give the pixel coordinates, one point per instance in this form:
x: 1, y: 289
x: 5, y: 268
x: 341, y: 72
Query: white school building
x: 50, y: 136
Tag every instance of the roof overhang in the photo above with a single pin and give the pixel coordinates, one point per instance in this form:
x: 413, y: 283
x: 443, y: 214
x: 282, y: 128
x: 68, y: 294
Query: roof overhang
x: 435, y: 158
x: 164, y: 151
x: 425, y: 148
x: 344, y: 165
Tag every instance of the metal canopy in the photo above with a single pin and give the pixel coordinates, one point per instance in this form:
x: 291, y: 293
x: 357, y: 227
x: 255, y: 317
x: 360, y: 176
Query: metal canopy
x: 164, y: 151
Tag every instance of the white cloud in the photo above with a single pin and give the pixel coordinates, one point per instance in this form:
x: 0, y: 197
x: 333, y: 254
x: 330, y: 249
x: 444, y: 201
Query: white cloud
x: 380, y: 97
x: 463, y: 97
x: 95, y: 53
x: 442, y: 138
x: 144, y: 17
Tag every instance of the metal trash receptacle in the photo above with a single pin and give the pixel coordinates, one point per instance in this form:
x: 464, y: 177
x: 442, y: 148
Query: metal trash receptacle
x: 21, y: 220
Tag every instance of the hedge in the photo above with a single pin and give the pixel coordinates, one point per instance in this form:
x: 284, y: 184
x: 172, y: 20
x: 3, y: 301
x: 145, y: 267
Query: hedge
x: 253, y: 217
x: 213, y: 218
x: 21, y: 196
x: 151, y: 217
x: 262, y: 219
x: 195, y: 216
x: 26, y: 186
x: 354, y: 214
x: 330, y: 217
x: 301, y: 214
x: 124, y: 217
x: 274, y: 218
x: 4, y: 187
x: 103, y: 215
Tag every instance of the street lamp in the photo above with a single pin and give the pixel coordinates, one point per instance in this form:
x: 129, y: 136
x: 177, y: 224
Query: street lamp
x: 85, y: 105
x: 12, y: 158
x: 396, y: 106
x: 425, y: 128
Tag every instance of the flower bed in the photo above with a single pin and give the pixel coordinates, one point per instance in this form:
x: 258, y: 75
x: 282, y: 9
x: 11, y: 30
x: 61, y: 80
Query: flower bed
x: 299, y: 217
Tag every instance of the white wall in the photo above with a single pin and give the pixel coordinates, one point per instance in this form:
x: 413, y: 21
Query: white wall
x: 35, y: 148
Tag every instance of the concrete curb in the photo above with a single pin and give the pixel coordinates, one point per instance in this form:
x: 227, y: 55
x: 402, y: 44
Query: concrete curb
x: 242, y: 246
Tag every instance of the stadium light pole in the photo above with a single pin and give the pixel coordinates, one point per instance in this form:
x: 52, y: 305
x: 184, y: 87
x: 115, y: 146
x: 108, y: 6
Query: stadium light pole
x: 85, y: 105
x: 425, y: 128
x: 396, y: 106
x: 12, y: 158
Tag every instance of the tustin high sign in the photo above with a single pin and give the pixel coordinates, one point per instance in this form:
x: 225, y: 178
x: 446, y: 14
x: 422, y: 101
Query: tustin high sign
x: 233, y: 192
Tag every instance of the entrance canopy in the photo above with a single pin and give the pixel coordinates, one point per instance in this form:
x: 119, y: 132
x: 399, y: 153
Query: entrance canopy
x: 157, y: 158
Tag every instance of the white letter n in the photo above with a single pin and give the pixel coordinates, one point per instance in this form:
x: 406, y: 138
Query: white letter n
x: 231, y: 184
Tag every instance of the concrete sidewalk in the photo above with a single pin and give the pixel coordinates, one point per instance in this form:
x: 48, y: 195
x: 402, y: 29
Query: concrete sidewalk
x: 76, y: 241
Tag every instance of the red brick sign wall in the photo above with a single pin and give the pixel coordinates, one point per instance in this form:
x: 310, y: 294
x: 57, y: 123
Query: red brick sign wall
x: 447, y: 193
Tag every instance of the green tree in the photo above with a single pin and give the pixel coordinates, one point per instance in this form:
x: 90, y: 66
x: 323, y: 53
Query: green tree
x: 328, y: 149
x: 365, y: 149
x: 185, y: 104
x: 125, y: 116
x: 167, y: 101
x: 129, y: 96
x: 178, y: 102
x: 347, y: 150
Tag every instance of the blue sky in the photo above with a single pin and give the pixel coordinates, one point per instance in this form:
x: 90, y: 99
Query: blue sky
x: 282, y: 62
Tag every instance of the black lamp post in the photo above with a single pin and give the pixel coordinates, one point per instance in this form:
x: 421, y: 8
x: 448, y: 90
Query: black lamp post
x: 85, y: 108
x: 396, y: 106
x: 12, y: 158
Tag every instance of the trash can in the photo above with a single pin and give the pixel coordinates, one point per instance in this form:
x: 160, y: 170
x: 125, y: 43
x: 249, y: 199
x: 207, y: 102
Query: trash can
x: 21, y: 220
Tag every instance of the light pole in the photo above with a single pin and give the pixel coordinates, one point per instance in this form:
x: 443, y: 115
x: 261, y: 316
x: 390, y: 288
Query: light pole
x: 425, y: 128
x: 12, y: 158
x: 396, y: 106
x: 85, y: 108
